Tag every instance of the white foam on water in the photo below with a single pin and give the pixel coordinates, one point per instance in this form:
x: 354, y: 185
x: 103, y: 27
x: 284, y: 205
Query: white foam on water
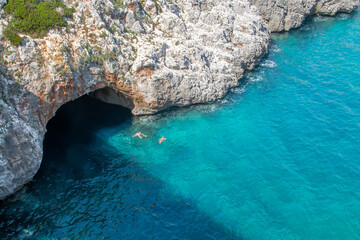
x: 305, y: 28
x: 320, y: 18
x: 224, y: 100
x: 239, y: 89
x: 268, y: 63
x: 275, y: 48
x: 343, y: 16
x: 256, y: 79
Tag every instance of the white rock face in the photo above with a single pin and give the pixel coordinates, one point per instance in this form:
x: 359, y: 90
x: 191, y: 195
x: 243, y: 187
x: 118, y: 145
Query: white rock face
x: 331, y: 7
x: 153, y: 54
x: 283, y: 15
x: 144, y: 55
x: 209, y: 45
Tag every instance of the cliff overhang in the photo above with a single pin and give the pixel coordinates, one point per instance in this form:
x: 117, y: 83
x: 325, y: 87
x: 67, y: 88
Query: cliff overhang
x: 144, y: 55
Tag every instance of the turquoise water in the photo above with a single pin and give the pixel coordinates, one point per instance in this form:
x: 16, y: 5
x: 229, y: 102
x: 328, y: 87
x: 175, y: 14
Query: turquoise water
x: 278, y: 158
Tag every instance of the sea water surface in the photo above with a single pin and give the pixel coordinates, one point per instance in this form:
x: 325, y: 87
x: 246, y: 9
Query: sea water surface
x: 278, y: 158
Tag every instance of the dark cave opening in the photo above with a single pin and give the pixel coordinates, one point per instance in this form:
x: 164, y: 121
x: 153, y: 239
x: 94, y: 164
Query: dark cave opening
x: 75, y: 125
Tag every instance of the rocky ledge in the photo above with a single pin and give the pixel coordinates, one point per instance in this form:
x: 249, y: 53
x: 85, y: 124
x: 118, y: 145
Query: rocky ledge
x: 283, y: 15
x: 144, y: 55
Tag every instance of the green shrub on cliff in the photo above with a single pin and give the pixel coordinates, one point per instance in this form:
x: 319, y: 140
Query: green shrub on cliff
x: 119, y: 4
x: 34, y: 17
x: 11, y: 34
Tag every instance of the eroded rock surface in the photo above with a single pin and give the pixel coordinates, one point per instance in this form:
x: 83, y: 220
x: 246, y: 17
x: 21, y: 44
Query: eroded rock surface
x: 144, y: 55
x: 283, y: 15
x: 152, y: 54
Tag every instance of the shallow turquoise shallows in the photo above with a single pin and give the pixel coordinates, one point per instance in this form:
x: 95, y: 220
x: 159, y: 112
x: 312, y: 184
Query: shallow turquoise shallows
x: 278, y: 158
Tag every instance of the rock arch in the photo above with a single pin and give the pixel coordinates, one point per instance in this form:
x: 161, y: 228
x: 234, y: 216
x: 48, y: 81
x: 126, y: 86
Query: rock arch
x: 21, y: 149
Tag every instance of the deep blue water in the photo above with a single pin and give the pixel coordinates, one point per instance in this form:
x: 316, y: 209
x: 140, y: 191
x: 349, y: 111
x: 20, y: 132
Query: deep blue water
x: 278, y: 158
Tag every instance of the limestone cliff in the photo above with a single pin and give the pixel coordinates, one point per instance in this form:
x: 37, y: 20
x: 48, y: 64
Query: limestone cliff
x: 153, y: 54
x: 283, y: 15
x: 146, y: 55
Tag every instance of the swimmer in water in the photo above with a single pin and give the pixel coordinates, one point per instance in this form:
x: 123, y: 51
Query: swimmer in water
x: 162, y: 139
x: 140, y: 135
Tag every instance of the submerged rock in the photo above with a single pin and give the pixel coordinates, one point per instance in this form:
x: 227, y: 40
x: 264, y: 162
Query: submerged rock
x: 144, y: 55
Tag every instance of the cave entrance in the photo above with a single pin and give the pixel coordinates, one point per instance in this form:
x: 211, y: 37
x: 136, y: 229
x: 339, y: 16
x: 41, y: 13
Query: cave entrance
x: 72, y: 131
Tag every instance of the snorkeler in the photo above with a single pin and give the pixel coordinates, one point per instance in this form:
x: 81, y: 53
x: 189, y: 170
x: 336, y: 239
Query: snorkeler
x: 162, y: 139
x: 140, y: 135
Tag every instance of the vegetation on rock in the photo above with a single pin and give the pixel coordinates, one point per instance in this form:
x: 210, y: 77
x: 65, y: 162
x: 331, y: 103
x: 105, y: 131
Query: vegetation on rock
x: 34, y: 17
x: 119, y: 4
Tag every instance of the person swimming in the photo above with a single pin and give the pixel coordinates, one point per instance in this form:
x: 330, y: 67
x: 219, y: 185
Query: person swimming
x: 162, y: 139
x: 140, y: 135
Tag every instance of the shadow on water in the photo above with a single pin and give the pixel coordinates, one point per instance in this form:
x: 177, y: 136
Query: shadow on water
x: 77, y: 121
x: 74, y: 128
x: 85, y: 189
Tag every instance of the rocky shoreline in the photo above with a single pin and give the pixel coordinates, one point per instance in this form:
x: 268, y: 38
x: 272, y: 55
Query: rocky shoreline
x: 145, y: 55
x: 284, y: 15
